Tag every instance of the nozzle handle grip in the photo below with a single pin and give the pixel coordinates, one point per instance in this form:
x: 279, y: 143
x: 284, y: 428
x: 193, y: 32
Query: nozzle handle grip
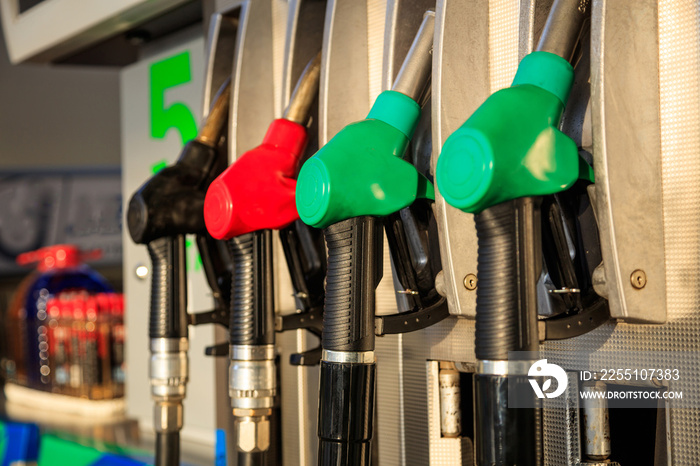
x: 354, y: 271
x: 252, y: 292
x: 168, y: 313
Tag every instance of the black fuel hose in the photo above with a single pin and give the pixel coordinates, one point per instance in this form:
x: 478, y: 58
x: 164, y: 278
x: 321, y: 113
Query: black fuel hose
x: 347, y: 379
x: 252, y: 305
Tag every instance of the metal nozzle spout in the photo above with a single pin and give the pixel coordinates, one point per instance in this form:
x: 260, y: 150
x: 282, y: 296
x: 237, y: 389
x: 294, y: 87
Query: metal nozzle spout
x: 416, y: 67
x: 563, y: 27
x: 218, y: 113
x: 305, y: 92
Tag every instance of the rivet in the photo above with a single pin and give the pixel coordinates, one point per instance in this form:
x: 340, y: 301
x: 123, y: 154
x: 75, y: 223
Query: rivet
x: 638, y: 279
x: 470, y: 282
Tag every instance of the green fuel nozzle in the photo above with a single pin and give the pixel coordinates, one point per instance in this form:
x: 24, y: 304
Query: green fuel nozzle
x: 511, y: 146
x: 360, y: 172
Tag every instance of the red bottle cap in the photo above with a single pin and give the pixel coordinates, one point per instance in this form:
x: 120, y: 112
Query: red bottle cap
x: 60, y: 256
x: 53, y: 308
x: 104, y: 303
x: 257, y: 191
x: 91, y: 308
x: 65, y: 306
x: 78, y: 308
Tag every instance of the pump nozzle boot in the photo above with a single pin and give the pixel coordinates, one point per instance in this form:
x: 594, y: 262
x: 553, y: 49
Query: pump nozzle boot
x: 511, y: 146
x: 360, y: 171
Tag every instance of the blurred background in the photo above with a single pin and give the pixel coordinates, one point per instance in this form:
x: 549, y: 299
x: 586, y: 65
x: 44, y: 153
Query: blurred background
x: 83, y: 121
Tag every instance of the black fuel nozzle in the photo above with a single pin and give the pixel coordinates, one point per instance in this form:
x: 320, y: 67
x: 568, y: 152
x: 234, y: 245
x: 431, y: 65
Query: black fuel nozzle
x: 171, y: 202
x: 166, y: 208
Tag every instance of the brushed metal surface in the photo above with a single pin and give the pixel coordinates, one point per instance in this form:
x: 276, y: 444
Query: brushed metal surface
x: 461, y: 81
x: 679, y: 132
x: 627, y: 157
x: 299, y: 401
x: 562, y: 427
x: 478, y: 44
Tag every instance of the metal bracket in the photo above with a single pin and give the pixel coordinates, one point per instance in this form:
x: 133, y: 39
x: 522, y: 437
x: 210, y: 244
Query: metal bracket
x: 307, y: 358
x: 217, y: 316
x: 412, y: 320
x: 311, y: 320
x: 219, y: 350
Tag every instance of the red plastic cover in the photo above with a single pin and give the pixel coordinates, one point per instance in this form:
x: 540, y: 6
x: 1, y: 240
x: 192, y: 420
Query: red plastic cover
x: 257, y: 191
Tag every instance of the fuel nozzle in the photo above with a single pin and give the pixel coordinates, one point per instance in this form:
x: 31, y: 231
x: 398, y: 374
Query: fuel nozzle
x: 357, y: 176
x: 252, y: 197
x: 171, y: 202
x: 508, y: 152
x: 160, y: 213
x: 361, y: 171
x: 257, y: 191
x: 511, y: 146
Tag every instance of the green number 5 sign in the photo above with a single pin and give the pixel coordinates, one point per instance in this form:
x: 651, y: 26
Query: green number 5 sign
x: 166, y: 74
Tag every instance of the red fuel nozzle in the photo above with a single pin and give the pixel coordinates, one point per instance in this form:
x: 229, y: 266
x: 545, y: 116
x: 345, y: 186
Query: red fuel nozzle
x: 257, y: 191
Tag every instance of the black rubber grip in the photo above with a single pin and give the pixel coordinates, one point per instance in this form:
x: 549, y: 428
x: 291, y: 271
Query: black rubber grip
x: 354, y: 271
x: 345, y: 413
x: 497, y: 307
x: 504, y: 436
x: 252, y: 292
x: 167, y: 449
x: 168, y: 313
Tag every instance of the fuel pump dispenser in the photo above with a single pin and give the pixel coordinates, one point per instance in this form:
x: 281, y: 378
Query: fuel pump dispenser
x: 345, y: 187
x: 160, y: 214
x: 250, y: 199
x: 561, y: 249
x: 506, y: 155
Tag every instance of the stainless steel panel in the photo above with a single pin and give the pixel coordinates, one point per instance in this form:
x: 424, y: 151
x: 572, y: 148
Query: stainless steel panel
x: 252, y: 82
x: 562, y: 427
x: 460, y: 82
x: 245, y: 39
x: 628, y: 158
x: 344, y: 87
x: 302, y: 41
x: 679, y: 132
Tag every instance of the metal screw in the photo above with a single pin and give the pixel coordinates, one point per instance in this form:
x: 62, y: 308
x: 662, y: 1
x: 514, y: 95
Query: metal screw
x: 470, y: 282
x: 638, y: 279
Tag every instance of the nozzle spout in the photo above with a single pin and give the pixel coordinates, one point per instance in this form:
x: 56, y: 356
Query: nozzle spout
x: 305, y: 92
x: 417, y: 65
x: 563, y: 27
x: 218, y: 114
